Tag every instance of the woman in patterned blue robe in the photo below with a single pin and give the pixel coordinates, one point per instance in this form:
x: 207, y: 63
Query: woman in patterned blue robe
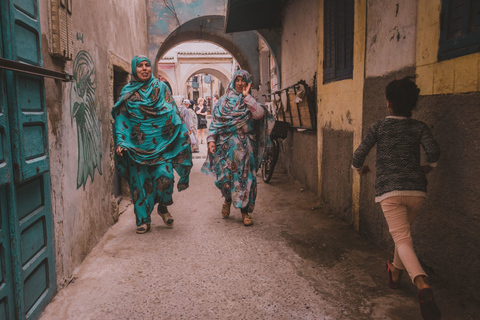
x: 237, y: 138
x: 151, y: 141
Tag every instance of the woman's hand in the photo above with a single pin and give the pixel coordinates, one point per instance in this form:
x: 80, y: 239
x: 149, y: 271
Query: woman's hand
x: 211, y: 147
x: 365, y: 170
x: 246, y: 89
x: 120, y: 151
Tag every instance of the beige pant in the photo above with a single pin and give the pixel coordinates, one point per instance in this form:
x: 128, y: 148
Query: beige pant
x: 400, y: 211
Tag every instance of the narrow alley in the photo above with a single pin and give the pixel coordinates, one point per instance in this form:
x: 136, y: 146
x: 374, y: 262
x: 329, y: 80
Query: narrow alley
x: 295, y: 262
x: 91, y: 89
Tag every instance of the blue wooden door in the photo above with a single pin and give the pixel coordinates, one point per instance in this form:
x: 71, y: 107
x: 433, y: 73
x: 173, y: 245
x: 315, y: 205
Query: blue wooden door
x: 7, y: 300
x: 26, y: 214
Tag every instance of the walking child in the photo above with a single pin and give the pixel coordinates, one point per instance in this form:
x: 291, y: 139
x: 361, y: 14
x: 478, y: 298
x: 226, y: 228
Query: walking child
x: 401, y: 183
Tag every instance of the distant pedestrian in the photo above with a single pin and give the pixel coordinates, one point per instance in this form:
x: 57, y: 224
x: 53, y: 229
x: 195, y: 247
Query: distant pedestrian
x: 236, y: 141
x: 201, y: 111
x: 401, y: 184
x: 185, y: 114
x: 193, y: 117
x: 152, y: 141
x: 188, y: 119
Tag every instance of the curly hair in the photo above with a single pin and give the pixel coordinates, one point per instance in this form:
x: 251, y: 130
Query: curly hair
x: 403, y: 96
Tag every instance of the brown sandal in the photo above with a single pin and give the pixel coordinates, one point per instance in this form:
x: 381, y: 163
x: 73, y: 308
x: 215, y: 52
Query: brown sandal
x: 143, y: 228
x: 247, y: 220
x: 167, y: 219
x: 226, y: 209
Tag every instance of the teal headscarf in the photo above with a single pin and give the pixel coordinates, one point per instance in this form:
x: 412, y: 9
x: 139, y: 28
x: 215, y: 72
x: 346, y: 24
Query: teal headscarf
x: 148, y: 125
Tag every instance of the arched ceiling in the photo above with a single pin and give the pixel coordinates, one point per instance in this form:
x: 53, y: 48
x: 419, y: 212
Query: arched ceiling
x: 171, y: 23
x: 243, y: 46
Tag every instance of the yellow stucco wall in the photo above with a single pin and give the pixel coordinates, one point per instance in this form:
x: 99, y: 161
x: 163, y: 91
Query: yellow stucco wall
x: 459, y: 75
x: 340, y: 103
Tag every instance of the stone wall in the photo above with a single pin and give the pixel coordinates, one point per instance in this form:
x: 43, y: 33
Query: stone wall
x: 340, y: 112
x: 106, y: 35
x: 299, y: 62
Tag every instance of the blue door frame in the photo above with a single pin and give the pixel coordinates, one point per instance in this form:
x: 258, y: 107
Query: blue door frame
x: 27, y: 261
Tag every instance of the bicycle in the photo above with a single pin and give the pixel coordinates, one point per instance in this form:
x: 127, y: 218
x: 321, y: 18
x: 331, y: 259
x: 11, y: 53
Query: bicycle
x: 270, y: 158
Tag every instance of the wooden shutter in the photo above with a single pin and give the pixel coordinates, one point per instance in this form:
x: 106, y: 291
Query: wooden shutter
x: 345, y: 51
x: 329, y: 21
x: 459, y: 28
x: 338, y: 40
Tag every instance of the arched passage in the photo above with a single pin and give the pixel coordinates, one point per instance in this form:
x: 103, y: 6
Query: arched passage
x: 241, y: 45
x: 220, y: 73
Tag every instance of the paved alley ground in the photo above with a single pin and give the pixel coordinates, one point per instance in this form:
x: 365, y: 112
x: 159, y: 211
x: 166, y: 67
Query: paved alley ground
x: 295, y: 262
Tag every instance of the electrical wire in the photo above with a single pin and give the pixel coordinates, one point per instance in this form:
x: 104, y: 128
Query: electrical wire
x: 172, y: 10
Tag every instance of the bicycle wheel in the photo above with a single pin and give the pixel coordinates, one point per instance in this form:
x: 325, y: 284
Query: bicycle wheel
x: 269, y: 162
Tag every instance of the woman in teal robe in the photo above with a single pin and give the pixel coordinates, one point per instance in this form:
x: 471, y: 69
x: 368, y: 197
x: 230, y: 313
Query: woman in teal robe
x: 237, y: 138
x: 151, y: 141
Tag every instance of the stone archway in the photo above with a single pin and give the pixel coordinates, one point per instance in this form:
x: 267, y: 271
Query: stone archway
x: 242, y: 45
x: 220, y: 73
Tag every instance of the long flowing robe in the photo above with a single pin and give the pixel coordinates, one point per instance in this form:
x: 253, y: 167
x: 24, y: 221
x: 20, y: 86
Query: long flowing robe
x: 240, y: 142
x: 155, y: 142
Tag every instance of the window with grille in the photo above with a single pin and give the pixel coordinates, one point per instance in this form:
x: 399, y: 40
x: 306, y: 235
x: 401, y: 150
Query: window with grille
x: 459, y: 28
x: 338, y: 40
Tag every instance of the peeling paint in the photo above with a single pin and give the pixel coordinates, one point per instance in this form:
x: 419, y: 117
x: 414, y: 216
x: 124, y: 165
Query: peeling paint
x: 349, y: 117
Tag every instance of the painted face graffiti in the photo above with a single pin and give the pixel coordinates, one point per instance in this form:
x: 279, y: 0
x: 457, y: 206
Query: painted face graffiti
x: 84, y: 112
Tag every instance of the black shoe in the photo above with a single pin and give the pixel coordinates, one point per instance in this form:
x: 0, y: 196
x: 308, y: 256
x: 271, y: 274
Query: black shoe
x: 428, y: 307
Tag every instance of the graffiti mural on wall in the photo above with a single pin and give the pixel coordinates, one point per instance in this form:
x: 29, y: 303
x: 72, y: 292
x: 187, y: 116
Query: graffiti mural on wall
x: 84, y: 112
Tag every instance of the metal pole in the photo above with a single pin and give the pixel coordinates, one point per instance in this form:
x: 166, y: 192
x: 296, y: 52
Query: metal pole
x: 38, y: 71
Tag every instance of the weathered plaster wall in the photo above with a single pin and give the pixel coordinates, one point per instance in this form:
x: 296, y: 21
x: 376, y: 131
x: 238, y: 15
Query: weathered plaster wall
x: 101, y: 29
x: 449, y: 224
x: 340, y: 103
x: 459, y: 75
x: 337, y: 184
x: 449, y: 104
x: 299, y: 61
x: 391, y: 35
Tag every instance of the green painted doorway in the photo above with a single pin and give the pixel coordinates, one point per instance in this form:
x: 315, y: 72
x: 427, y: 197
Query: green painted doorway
x: 27, y: 266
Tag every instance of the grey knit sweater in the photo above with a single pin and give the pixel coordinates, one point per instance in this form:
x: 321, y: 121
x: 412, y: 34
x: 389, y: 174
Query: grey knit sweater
x: 398, y: 167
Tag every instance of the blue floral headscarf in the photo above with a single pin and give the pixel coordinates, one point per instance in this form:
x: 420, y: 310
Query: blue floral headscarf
x: 230, y: 113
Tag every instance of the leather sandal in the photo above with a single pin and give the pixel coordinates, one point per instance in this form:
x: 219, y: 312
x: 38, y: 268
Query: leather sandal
x: 226, y: 209
x: 143, y: 228
x: 247, y: 220
x: 391, y: 283
x: 167, y: 219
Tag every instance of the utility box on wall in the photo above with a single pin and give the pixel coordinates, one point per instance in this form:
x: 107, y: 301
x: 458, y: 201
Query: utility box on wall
x: 62, y: 29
